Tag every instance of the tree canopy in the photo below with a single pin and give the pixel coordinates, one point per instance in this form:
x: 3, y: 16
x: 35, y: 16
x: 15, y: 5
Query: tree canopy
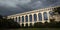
x: 57, y: 10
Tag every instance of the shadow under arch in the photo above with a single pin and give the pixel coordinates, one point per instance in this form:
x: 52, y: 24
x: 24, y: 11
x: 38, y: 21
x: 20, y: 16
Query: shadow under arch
x: 26, y: 18
x: 30, y: 18
x: 35, y: 17
x: 22, y: 18
x: 30, y: 25
x: 22, y: 25
x: 40, y: 16
x: 26, y: 25
x: 45, y: 16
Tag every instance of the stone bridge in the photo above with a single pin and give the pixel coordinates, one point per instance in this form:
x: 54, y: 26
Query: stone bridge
x: 40, y: 15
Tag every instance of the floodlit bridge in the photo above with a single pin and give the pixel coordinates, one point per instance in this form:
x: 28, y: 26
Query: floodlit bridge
x: 40, y: 15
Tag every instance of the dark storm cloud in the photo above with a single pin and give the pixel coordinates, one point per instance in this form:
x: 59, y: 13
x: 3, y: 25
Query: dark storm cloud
x: 8, y: 7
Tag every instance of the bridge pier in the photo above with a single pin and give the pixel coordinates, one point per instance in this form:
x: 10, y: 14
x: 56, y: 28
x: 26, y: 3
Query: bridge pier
x: 32, y: 23
x: 14, y: 19
x: 37, y: 17
x: 28, y: 24
x: 48, y: 17
x: 42, y: 17
x: 24, y: 24
x: 21, y: 24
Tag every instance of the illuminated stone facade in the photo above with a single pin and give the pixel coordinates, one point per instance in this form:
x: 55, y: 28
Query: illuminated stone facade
x: 40, y: 15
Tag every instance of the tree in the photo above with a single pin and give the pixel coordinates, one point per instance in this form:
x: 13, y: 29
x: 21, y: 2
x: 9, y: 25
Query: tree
x: 57, y: 10
x: 8, y: 23
x: 1, y: 17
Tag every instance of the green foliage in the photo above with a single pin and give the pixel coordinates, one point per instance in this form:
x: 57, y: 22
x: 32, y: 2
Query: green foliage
x: 57, y: 9
x: 8, y: 23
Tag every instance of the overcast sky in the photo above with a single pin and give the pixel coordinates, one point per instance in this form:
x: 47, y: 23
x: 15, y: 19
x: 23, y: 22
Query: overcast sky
x: 9, y: 7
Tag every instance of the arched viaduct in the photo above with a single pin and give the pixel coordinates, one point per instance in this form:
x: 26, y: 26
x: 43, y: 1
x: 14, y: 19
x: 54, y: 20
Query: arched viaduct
x: 40, y: 15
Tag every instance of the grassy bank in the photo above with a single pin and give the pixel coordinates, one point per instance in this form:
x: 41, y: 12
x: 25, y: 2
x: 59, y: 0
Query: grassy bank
x: 33, y: 29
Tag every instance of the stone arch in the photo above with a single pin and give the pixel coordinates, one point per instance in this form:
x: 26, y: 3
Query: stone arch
x: 26, y: 18
x: 45, y: 16
x: 35, y: 17
x: 22, y: 18
x: 30, y: 18
x: 40, y: 16
x: 30, y: 24
x: 50, y: 12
